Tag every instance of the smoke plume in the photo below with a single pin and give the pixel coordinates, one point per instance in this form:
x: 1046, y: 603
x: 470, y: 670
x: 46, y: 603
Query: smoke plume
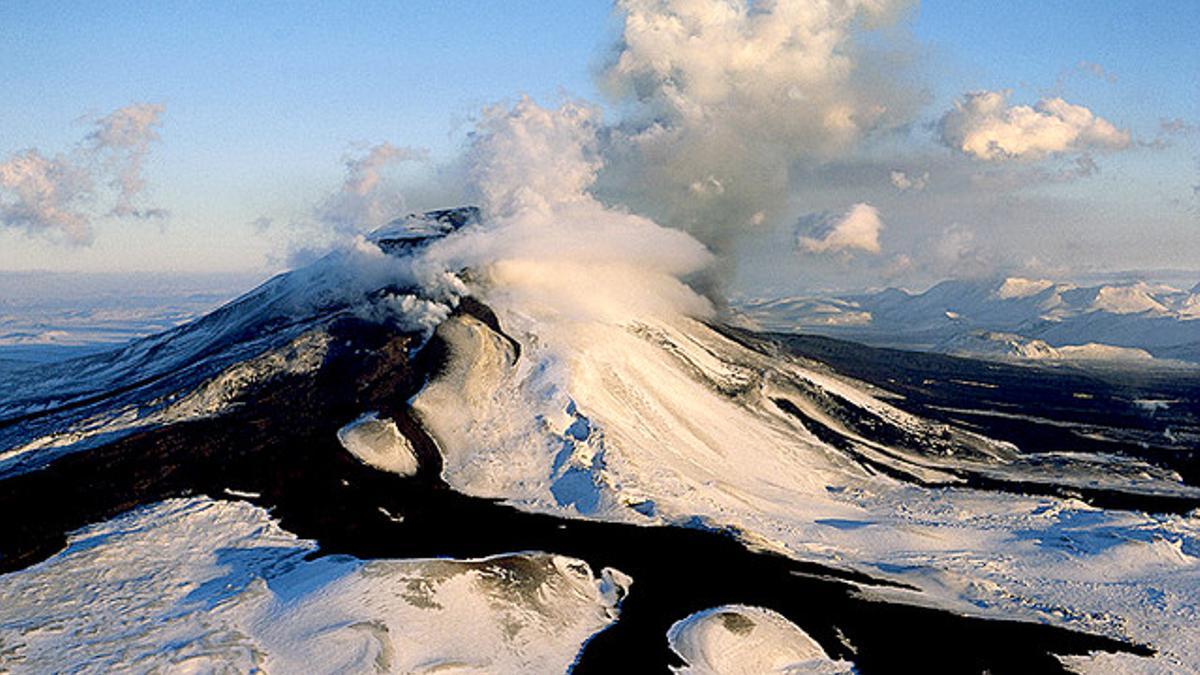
x: 724, y: 100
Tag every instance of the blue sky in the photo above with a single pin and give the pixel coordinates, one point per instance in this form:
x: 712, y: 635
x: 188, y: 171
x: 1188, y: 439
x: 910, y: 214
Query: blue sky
x: 263, y: 101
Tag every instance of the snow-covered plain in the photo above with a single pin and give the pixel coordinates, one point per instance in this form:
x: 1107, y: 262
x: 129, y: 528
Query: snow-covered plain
x: 46, y: 317
x: 201, y: 586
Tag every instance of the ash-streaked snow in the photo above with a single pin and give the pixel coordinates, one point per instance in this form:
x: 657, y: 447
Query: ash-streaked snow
x: 194, y: 585
x: 209, y: 397
x: 681, y: 429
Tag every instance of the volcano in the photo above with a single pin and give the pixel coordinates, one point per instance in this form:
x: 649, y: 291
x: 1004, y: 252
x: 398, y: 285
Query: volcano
x: 402, y: 458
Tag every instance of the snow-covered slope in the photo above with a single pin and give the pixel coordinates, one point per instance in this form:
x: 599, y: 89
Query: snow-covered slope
x: 1155, y: 318
x: 668, y: 422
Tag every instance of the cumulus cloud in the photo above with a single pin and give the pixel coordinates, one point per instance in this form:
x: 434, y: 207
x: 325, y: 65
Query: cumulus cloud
x: 725, y: 99
x: 46, y: 194
x: 983, y: 125
x: 858, y: 229
x: 904, y: 182
x: 64, y: 194
x: 365, y: 199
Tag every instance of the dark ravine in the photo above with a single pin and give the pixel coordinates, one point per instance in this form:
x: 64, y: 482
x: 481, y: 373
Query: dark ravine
x: 281, y: 443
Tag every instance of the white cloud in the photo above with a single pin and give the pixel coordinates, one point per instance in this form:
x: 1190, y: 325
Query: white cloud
x: 983, y: 125
x: 956, y: 253
x: 858, y: 229
x: 1177, y: 127
x: 899, y: 266
x: 1096, y: 70
x: 61, y: 196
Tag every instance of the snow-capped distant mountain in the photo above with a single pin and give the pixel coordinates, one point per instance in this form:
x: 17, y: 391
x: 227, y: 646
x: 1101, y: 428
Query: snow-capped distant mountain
x: 988, y: 317
x: 990, y: 344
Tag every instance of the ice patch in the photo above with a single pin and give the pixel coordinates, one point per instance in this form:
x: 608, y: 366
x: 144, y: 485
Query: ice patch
x: 743, y: 640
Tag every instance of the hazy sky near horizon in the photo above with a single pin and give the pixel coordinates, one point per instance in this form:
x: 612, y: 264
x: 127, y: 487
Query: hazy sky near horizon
x: 1050, y: 138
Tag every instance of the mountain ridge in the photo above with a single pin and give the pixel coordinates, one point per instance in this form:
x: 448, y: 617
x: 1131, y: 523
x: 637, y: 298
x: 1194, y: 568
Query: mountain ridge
x: 1158, y: 319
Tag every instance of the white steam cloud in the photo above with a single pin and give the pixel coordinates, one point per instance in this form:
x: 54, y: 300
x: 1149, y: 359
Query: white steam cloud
x: 547, y: 244
x: 63, y: 195
x: 530, y: 159
x: 545, y: 248
x: 858, y: 230
x: 983, y: 125
x: 726, y: 98
x: 545, y: 252
x: 368, y: 197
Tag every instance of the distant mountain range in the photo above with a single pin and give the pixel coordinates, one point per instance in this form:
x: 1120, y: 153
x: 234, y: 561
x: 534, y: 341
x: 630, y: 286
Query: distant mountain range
x: 1007, y: 318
